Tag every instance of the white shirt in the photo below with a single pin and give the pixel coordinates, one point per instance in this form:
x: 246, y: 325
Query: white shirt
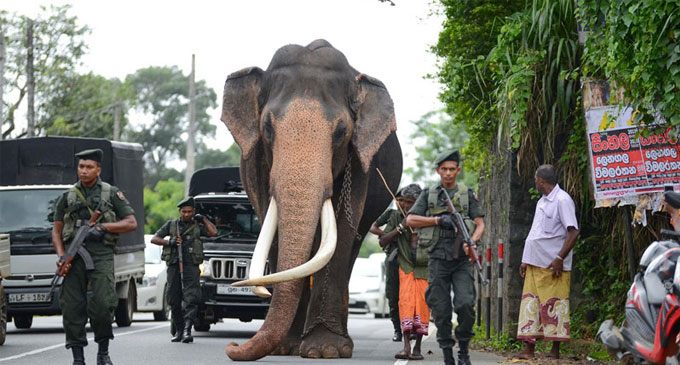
x: 554, y: 213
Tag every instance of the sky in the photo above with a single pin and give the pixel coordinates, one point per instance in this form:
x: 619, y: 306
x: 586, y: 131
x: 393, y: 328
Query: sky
x: 390, y: 43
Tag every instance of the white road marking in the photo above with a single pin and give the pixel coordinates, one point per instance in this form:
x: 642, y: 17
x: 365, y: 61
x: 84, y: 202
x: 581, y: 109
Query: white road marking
x: 37, y: 351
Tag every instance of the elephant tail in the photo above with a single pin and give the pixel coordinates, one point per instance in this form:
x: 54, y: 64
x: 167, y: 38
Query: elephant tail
x: 277, y: 324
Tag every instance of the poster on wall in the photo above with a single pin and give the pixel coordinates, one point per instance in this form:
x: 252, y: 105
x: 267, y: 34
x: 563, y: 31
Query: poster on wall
x: 625, y: 165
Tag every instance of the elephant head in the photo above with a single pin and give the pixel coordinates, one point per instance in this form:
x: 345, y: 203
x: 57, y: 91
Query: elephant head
x: 297, y: 123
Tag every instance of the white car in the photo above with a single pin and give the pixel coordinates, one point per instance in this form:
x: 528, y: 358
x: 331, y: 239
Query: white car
x: 151, y: 295
x: 367, y: 286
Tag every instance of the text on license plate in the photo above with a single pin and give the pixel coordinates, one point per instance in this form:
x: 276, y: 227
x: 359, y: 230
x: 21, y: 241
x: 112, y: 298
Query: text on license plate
x: 228, y: 289
x: 29, y: 297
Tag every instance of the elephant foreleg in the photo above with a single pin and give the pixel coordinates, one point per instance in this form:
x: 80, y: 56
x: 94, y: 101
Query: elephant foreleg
x: 291, y: 343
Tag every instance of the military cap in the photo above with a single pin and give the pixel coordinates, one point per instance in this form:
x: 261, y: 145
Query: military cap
x: 94, y: 154
x: 672, y: 198
x: 188, y: 201
x: 449, y: 155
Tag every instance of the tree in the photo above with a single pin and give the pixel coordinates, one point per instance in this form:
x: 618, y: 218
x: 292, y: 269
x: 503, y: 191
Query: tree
x: 87, y: 107
x: 162, y: 96
x: 207, y: 157
x: 434, y: 134
x: 58, y: 46
x: 160, y: 203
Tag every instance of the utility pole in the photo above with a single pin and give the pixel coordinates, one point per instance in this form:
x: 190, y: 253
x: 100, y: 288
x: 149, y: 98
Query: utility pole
x: 2, y: 77
x: 116, y: 121
x: 192, y: 125
x: 30, y: 80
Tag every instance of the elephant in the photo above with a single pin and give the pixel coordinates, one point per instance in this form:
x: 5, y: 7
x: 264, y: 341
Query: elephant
x: 312, y: 132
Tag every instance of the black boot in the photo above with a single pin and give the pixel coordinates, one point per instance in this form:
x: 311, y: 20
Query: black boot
x: 463, y: 356
x: 186, y: 334
x: 78, y: 355
x: 179, y: 328
x: 103, y: 353
x: 448, y: 356
x: 397, y: 336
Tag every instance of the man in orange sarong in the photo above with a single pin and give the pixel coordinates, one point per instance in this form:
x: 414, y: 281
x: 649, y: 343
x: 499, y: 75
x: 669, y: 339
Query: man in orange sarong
x: 413, y: 273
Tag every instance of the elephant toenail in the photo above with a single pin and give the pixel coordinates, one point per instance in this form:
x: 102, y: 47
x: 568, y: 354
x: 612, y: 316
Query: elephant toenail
x: 313, y: 353
x: 330, y: 352
x: 294, y: 351
x: 346, y: 351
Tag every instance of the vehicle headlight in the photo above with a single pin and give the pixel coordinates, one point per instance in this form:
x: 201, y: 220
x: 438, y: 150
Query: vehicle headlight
x: 149, y: 280
x: 205, y: 268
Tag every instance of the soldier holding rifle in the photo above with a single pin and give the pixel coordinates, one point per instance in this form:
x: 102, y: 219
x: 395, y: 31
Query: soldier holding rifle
x: 183, y: 253
x: 107, y: 213
x: 449, y: 266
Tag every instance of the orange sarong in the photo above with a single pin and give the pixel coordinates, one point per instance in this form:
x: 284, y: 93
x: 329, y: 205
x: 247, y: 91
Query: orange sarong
x: 544, y: 309
x: 413, y: 311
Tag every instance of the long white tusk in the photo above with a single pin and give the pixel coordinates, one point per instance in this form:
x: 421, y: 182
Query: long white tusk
x: 329, y: 238
x: 264, y: 243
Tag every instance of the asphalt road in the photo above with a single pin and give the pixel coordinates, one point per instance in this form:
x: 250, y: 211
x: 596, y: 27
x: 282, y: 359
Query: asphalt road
x: 147, y: 342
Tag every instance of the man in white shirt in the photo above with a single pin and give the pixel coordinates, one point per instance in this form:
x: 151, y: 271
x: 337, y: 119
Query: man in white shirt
x: 546, y: 267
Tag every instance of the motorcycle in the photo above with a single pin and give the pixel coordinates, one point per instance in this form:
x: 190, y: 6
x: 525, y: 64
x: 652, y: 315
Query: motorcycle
x: 650, y: 330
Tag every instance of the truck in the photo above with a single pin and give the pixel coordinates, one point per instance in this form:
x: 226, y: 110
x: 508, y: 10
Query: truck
x: 219, y: 195
x: 4, y: 272
x: 34, y: 173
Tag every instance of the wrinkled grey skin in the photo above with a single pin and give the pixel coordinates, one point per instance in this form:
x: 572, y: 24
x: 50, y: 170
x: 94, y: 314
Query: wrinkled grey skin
x: 298, y: 124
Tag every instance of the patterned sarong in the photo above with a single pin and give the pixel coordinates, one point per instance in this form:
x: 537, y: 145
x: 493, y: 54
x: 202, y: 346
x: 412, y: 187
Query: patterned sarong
x: 544, y: 309
x: 413, y: 311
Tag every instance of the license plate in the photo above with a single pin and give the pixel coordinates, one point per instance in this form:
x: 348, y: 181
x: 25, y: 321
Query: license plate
x: 226, y: 289
x: 29, y: 297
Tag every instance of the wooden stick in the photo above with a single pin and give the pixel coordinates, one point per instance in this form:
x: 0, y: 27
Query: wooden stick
x: 393, y: 197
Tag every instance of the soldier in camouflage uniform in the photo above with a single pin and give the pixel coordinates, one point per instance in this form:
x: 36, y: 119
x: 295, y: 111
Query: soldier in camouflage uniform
x: 449, y: 267
x: 391, y: 265
x: 74, y: 209
x: 184, y: 299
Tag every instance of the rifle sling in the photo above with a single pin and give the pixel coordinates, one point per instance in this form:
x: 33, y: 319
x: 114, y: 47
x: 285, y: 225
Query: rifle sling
x: 80, y: 196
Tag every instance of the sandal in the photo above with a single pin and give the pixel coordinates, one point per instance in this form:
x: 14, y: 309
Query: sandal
x: 402, y: 355
x: 416, y: 357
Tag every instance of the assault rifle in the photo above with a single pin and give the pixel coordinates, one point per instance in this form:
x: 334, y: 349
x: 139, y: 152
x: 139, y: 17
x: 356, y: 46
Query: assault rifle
x: 77, y: 247
x: 466, y: 237
x: 180, y: 256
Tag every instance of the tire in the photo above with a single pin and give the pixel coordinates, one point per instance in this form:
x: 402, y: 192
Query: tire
x: 23, y: 321
x: 201, y: 324
x: 126, y: 307
x: 3, y: 316
x: 163, y: 315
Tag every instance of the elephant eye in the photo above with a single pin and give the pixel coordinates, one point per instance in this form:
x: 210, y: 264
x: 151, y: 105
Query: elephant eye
x: 339, y: 134
x: 268, y: 130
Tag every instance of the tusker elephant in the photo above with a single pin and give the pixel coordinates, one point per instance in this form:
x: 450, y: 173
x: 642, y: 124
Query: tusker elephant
x: 312, y: 131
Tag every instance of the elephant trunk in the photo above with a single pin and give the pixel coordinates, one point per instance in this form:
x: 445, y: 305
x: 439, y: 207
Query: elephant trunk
x: 298, y: 219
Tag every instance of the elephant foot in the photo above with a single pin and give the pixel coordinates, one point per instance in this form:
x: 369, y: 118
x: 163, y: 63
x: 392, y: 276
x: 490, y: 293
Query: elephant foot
x: 289, y: 346
x: 322, y: 343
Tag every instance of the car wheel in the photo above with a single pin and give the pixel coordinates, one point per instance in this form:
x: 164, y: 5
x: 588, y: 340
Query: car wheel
x: 23, y: 321
x: 126, y: 307
x: 3, y: 316
x: 201, y: 324
x: 164, y: 314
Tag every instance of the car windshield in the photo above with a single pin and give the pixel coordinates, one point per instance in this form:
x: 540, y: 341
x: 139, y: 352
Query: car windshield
x: 28, y: 210
x: 152, y: 254
x: 366, y: 268
x: 232, y: 219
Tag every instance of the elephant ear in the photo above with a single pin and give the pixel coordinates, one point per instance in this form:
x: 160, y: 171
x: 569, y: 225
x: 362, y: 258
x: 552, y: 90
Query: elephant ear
x: 241, y: 109
x: 375, y: 118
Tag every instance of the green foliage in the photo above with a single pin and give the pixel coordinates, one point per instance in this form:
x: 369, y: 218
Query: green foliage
x: 638, y: 48
x: 160, y: 204
x: 162, y: 94
x: 369, y: 246
x: 87, y: 108
x: 468, y: 35
x: 217, y: 158
x: 58, y: 43
x: 434, y: 134
x: 502, y: 343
